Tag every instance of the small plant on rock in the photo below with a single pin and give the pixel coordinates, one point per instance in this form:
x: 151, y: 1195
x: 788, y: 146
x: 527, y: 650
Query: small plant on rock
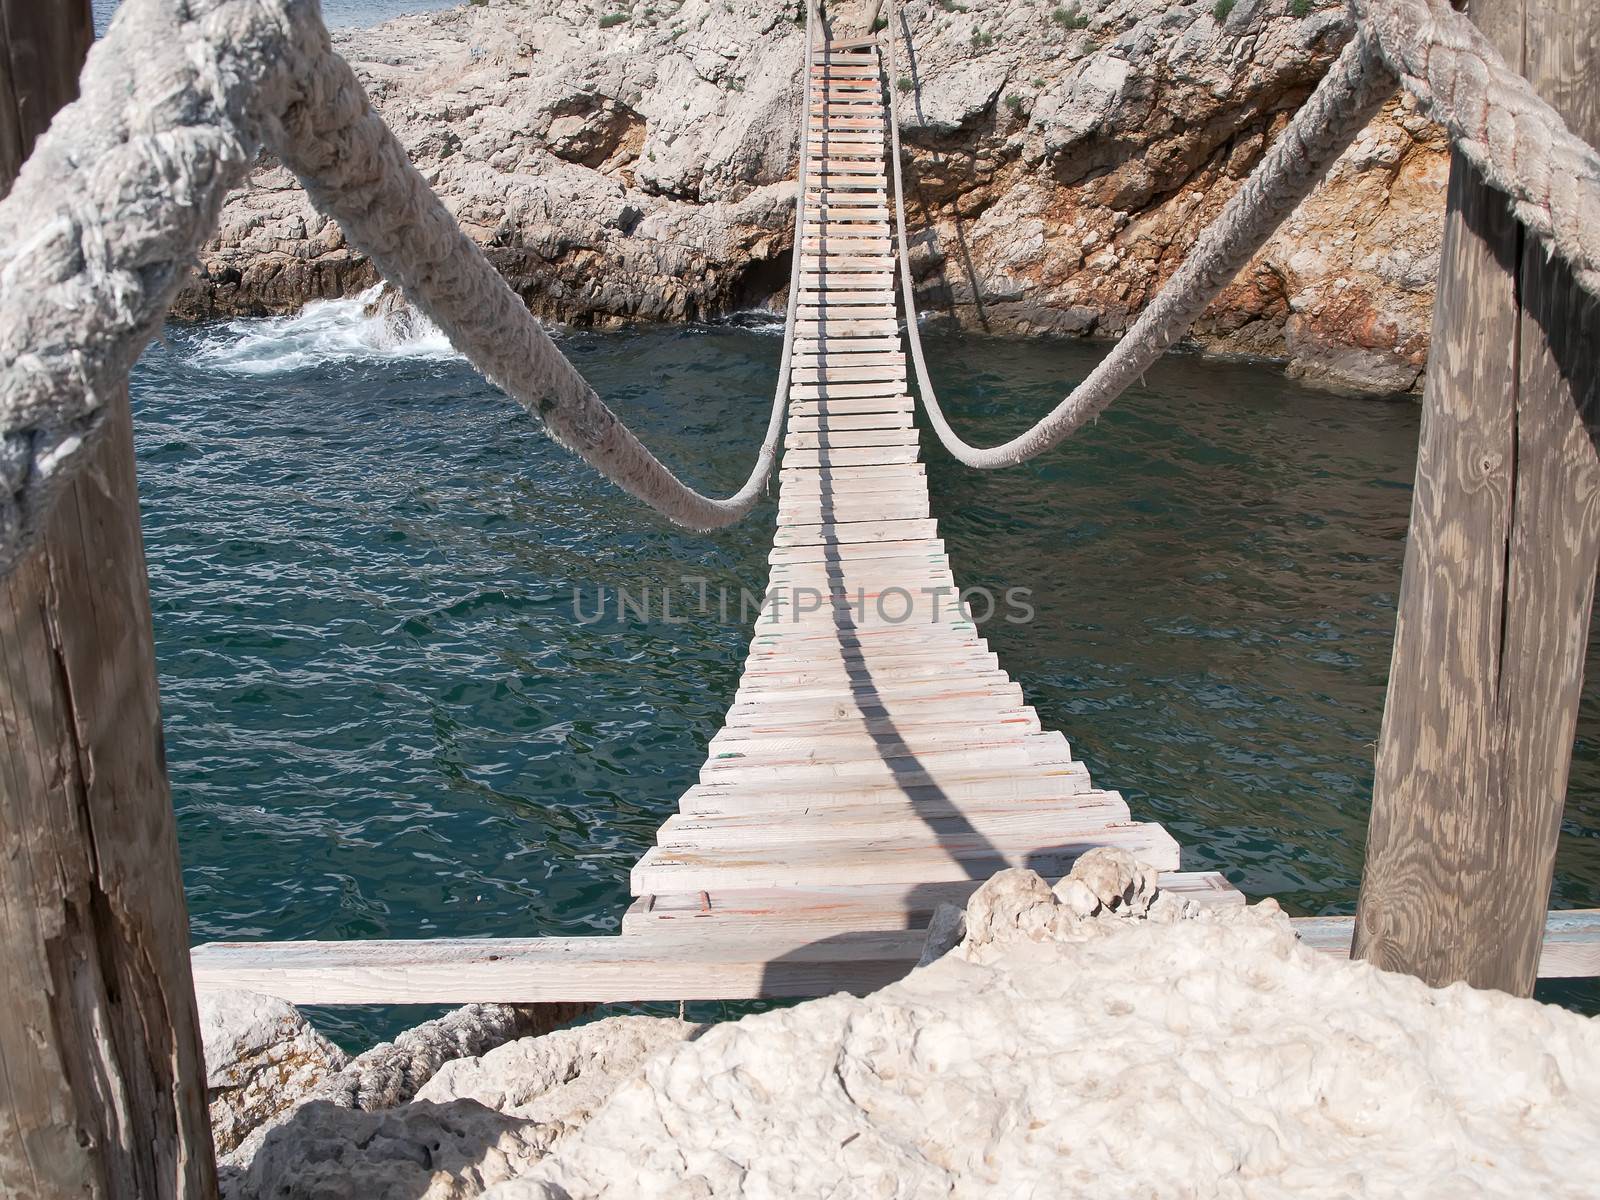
x: 1222, y: 9
x: 1069, y: 18
x: 903, y: 84
x: 1017, y: 105
x: 1300, y: 8
x: 610, y: 19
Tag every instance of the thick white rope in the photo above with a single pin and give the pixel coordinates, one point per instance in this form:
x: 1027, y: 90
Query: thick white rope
x: 111, y: 209
x: 1346, y: 99
x: 1518, y: 143
x: 1550, y: 176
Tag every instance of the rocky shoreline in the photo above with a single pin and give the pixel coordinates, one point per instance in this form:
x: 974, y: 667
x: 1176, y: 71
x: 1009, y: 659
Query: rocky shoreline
x: 623, y: 163
x: 1095, y: 1038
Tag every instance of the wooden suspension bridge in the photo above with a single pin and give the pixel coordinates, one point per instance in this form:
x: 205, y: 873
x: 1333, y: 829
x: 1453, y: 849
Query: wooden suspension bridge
x: 876, y: 761
x: 870, y: 768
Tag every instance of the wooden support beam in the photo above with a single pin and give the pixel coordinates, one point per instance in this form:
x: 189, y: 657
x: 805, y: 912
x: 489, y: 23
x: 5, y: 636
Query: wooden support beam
x: 1499, y: 572
x: 102, y: 1081
x: 701, y: 946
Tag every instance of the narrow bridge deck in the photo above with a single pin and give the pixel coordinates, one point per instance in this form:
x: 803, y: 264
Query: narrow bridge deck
x: 876, y: 759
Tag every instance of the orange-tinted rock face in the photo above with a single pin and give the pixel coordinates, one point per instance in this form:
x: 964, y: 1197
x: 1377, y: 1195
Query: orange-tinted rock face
x: 1059, y: 166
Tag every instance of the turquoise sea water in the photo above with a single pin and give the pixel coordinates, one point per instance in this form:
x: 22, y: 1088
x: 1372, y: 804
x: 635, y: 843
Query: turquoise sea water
x: 383, y: 719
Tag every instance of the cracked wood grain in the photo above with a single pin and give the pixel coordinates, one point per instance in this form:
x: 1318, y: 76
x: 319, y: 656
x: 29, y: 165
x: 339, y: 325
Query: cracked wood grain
x: 1499, y: 573
x: 101, y: 1074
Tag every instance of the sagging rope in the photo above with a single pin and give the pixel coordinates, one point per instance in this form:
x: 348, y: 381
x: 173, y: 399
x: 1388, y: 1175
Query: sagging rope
x: 1346, y: 99
x: 111, y: 210
x: 1521, y: 145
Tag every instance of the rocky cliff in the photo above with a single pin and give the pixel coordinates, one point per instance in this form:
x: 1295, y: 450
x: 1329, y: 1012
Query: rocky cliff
x: 634, y: 161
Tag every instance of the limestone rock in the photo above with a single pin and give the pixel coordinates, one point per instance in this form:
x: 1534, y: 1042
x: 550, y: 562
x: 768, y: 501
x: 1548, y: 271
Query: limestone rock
x: 1060, y: 161
x: 476, y: 1122
x: 947, y: 928
x: 1114, y: 879
x: 1119, y: 1058
x: 262, y: 1057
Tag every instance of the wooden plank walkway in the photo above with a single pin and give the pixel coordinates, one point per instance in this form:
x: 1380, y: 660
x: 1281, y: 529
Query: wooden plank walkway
x: 875, y: 762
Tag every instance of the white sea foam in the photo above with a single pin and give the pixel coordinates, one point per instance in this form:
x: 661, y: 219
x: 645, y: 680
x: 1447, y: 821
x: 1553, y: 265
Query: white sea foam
x: 323, y: 332
x: 756, y: 320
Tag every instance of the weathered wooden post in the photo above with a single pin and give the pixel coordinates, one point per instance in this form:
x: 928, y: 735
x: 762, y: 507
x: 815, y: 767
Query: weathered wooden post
x: 1499, y: 570
x: 102, y: 1088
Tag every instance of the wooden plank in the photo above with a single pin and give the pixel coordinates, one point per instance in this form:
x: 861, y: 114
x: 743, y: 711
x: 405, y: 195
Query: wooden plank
x: 1570, y: 946
x: 926, y: 859
x: 1015, y: 824
x: 830, y: 750
x: 945, y: 791
x: 657, y: 961
x: 826, y: 279
x: 828, y: 310
x: 1499, y: 574
x: 845, y: 532
x: 788, y: 641
x: 823, y: 165
x: 801, y: 554
x: 879, y: 692
x: 823, y: 723
x: 850, y: 372
x: 812, y: 347
x: 843, y: 478
x: 825, y: 395
x: 549, y: 970
x: 849, y: 421
x: 827, y: 358
x: 844, y: 327
x: 882, y: 506
x: 814, y: 296
x: 884, y: 674
x: 102, y: 1082
x: 832, y: 909
x: 846, y: 404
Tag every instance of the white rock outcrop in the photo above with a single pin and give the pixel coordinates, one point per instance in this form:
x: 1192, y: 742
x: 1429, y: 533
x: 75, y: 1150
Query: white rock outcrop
x: 477, y: 1122
x: 1053, y: 1054
x: 262, y: 1058
x: 1098, y: 1038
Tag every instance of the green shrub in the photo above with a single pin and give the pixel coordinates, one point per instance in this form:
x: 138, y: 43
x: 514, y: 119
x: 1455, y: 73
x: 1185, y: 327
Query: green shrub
x: 1222, y: 9
x: 982, y: 40
x: 903, y: 84
x: 1016, y: 104
x: 1299, y: 8
x: 1069, y: 18
x: 610, y: 19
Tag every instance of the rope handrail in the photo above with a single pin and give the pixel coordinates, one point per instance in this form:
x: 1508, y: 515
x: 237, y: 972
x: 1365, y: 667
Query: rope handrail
x: 113, y: 206
x: 1519, y: 143
x: 1346, y: 99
